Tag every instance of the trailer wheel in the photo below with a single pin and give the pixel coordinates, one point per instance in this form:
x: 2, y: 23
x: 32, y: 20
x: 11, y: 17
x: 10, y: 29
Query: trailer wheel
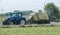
x: 22, y: 22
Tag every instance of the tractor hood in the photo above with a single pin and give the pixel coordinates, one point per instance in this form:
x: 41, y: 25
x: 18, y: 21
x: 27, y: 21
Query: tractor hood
x: 9, y: 18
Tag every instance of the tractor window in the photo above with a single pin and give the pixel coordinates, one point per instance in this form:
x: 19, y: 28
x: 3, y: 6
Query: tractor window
x: 20, y: 15
x: 16, y: 15
x: 13, y: 15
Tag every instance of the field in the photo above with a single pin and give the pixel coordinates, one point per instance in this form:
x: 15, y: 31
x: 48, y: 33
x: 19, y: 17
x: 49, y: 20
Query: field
x: 44, y: 30
x: 30, y: 31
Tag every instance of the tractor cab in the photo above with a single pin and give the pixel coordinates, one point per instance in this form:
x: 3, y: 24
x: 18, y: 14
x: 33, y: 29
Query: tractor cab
x: 16, y: 15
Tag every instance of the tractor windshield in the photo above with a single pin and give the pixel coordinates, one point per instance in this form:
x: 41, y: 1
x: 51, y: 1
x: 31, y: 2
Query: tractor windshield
x: 16, y: 15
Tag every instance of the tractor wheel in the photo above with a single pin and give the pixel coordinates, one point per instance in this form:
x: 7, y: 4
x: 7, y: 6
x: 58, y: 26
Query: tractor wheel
x: 22, y: 22
x: 11, y: 23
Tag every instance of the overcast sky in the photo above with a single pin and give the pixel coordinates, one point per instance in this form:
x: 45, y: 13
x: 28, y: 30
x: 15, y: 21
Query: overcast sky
x: 35, y: 5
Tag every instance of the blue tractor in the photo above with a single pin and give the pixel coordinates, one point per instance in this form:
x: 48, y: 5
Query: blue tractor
x: 15, y: 18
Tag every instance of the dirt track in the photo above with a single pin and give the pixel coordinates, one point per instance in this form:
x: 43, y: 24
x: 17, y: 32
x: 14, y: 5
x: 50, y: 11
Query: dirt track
x: 32, y: 25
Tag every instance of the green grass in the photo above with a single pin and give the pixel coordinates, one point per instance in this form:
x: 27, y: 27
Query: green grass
x: 30, y: 31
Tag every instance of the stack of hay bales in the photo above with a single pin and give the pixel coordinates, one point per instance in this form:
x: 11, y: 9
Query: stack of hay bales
x: 40, y: 16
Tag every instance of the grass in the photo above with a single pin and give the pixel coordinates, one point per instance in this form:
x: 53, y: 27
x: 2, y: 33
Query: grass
x: 30, y: 31
x: 3, y: 18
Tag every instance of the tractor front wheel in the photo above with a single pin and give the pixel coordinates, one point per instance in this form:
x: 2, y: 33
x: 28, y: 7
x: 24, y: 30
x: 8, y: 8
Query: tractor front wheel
x: 11, y: 23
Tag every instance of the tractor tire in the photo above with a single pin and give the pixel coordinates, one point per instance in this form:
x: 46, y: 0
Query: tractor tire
x: 10, y: 23
x: 22, y: 22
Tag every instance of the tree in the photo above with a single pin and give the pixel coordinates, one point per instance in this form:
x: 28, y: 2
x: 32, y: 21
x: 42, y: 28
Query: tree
x: 52, y: 11
x: 40, y: 11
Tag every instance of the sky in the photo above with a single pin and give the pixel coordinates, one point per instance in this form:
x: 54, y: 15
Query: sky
x: 35, y: 5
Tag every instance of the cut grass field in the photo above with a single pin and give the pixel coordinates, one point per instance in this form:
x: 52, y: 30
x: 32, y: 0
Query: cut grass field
x: 30, y: 31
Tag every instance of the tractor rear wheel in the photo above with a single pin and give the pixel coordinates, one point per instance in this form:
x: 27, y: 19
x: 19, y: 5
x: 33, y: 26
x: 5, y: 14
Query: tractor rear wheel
x: 22, y: 22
